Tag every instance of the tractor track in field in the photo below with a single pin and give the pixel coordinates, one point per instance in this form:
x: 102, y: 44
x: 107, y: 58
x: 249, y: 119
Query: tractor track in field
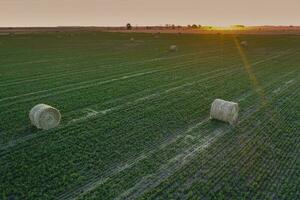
x: 151, y: 181
x: 216, y: 177
x: 161, y: 87
x: 94, y: 115
x: 63, y: 75
x: 135, y: 117
x: 151, y: 96
x: 31, y: 136
x: 91, y: 185
x: 101, y: 112
x: 96, y: 181
x: 175, y: 161
x: 101, y: 82
x: 94, y: 82
x: 174, y: 164
x: 28, y: 137
x: 139, y: 100
x: 278, y: 106
x: 67, y: 73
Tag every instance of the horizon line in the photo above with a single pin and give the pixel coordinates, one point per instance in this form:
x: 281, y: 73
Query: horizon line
x: 176, y: 25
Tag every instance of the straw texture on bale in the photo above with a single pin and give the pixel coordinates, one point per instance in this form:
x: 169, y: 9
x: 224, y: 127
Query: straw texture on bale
x: 226, y: 111
x: 173, y: 48
x: 44, y: 116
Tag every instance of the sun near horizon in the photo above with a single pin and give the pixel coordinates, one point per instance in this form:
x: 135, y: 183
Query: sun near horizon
x: 26, y: 13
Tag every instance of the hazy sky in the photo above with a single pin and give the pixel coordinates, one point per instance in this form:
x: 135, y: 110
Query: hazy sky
x: 150, y: 12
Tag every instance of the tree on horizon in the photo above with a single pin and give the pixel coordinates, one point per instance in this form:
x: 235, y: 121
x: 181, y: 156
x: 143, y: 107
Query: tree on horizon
x: 128, y: 26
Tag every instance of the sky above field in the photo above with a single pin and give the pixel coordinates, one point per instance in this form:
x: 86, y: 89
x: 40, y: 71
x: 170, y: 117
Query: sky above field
x: 151, y: 12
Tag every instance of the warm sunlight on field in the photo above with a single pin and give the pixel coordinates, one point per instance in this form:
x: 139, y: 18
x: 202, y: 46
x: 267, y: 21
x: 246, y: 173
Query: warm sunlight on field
x: 227, y: 28
x: 135, y: 116
x: 149, y: 100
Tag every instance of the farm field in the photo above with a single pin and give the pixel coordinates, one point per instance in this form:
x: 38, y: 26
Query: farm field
x: 135, y: 116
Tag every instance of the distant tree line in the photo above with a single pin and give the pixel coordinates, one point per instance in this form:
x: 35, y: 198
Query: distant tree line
x: 172, y: 26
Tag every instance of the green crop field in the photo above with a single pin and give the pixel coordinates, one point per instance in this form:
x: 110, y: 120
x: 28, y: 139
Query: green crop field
x: 135, y: 116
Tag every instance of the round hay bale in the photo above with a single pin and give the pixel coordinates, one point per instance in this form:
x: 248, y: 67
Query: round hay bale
x: 226, y: 111
x: 173, y: 48
x: 132, y: 39
x: 244, y: 43
x: 44, y: 116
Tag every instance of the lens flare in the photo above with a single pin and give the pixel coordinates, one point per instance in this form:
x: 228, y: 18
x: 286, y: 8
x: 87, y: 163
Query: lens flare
x: 248, y: 68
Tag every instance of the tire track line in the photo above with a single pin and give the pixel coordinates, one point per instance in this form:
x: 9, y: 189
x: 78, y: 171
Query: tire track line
x: 110, y: 65
x: 216, y: 177
x: 146, y: 189
x: 91, y: 82
x: 174, y: 164
x: 91, y: 185
x: 84, y: 82
x: 151, y: 96
x: 31, y: 136
x: 102, y: 112
x: 232, y: 69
